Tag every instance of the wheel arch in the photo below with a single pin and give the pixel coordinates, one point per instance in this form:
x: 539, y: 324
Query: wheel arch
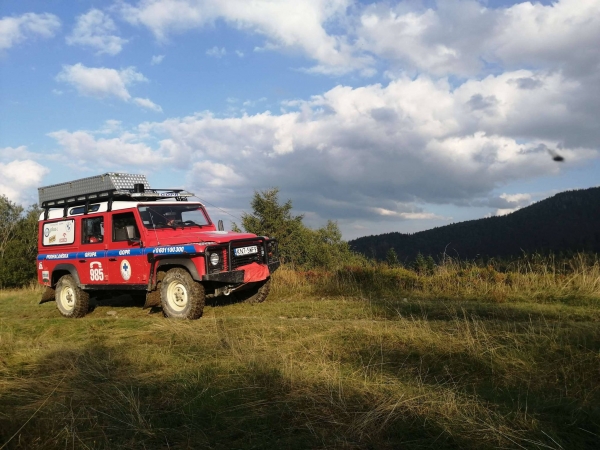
x: 167, y: 264
x: 64, y: 269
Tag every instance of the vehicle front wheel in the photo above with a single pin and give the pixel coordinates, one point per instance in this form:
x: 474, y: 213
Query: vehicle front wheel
x: 180, y: 296
x: 257, y: 293
x: 71, y: 300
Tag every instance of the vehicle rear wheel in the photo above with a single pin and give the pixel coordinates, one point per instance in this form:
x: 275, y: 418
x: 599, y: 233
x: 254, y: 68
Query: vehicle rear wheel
x: 71, y: 300
x: 180, y: 296
x: 255, y: 294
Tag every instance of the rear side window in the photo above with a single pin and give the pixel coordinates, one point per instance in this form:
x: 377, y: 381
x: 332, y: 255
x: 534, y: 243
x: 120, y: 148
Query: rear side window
x: 92, y: 230
x: 123, y: 222
x: 59, y: 233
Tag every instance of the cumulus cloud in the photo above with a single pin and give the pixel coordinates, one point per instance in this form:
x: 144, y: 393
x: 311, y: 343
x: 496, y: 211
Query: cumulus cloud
x: 458, y: 37
x: 14, y: 30
x: 374, y: 151
x: 96, y: 29
x: 101, y: 82
x: 461, y: 36
x: 217, y: 174
x: 20, y: 174
x: 147, y: 103
x: 285, y: 24
x: 563, y: 34
x: 512, y: 203
x: 126, y: 149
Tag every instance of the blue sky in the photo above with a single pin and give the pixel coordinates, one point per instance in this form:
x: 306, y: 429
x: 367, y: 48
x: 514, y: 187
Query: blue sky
x: 384, y: 116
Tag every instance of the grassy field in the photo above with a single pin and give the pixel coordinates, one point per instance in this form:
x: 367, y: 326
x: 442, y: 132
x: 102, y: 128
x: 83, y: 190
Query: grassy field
x: 355, y: 359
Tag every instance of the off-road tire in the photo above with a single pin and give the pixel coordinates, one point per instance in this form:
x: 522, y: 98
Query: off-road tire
x: 256, y: 294
x: 71, y: 300
x: 180, y: 296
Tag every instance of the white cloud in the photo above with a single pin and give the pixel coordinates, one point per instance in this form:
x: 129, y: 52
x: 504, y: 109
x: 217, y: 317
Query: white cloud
x: 127, y: 149
x: 216, y: 174
x: 408, y: 215
x: 111, y: 126
x: 562, y: 34
x: 514, y: 203
x: 391, y: 147
x: 147, y: 103
x: 157, y: 59
x: 95, y: 29
x: 239, y: 53
x: 460, y: 36
x: 14, y: 30
x: 20, y: 174
x: 520, y: 199
x: 216, y: 52
x: 101, y: 82
x: 284, y: 23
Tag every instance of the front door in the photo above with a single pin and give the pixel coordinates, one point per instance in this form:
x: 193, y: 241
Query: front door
x: 126, y: 261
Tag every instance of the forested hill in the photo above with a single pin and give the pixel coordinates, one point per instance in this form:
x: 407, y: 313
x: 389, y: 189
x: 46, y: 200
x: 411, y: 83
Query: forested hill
x: 567, y: 222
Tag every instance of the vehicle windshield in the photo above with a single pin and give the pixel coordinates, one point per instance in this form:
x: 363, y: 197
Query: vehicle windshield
x: 173, y: 216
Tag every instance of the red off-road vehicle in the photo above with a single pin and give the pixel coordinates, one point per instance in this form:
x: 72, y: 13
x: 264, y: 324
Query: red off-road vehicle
x: 113, y: 232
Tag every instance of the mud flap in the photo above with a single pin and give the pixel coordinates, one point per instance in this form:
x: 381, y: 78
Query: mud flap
x: 48, y: 295
x: 152, y: 298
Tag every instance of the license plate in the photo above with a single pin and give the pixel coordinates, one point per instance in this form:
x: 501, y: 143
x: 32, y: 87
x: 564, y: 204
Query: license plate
x: 245, y: 250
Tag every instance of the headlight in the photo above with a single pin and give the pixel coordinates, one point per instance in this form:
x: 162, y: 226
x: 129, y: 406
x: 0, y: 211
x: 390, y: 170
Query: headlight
x: 214, y: 259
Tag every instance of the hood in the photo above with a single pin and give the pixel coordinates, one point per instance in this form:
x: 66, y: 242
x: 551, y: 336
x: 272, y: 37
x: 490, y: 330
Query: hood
x: 166, y: 237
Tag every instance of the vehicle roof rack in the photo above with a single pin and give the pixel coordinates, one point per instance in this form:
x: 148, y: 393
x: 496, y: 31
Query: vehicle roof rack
x: 107, y: 187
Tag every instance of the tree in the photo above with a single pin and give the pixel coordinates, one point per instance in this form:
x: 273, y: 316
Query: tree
x: 298, y: 244
x: 420, y: 264
x: 269, y: 218
x: 17, y: 260
x: 10, y: 213
x: 392, y: 257
x: 430, y: 264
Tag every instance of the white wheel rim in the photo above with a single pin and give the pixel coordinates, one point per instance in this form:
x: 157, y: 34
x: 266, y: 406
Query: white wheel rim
x: 67, y: 299
x: 177, y: 296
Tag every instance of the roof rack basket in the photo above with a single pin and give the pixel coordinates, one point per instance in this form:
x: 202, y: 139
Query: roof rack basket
x: 107, y: 187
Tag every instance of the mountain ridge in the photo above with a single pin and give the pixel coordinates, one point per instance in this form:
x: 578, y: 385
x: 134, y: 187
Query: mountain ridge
x: 564, y: 223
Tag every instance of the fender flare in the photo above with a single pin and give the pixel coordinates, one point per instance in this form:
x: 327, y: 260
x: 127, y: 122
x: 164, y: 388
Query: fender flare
x: 183, y: 262
x: 68, y: 268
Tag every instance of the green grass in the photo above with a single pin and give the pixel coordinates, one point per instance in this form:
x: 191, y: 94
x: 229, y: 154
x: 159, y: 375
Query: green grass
x: 329, y: 361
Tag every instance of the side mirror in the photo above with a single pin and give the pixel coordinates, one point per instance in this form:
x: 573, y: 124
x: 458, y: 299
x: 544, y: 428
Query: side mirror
x: 220, y: 226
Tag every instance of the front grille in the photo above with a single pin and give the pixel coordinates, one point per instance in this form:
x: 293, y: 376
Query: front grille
x: 238, y: 261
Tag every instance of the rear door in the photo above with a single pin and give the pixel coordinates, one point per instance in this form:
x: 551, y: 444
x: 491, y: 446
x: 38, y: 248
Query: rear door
x: 91, y: 261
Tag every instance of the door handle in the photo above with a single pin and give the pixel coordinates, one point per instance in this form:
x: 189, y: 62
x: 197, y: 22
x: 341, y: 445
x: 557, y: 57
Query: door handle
x: 82, y: 260
x: 112, y: 259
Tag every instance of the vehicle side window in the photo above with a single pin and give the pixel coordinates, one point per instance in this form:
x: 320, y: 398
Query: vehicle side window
x: 121, y: 224
x: 59, y: 233
x: 92, y: 230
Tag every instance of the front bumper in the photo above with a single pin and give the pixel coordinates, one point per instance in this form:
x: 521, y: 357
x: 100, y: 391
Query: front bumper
x: 235, y: 276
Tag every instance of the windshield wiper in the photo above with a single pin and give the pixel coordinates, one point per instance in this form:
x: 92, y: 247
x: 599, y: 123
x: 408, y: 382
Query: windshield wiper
x: 192, y: 223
